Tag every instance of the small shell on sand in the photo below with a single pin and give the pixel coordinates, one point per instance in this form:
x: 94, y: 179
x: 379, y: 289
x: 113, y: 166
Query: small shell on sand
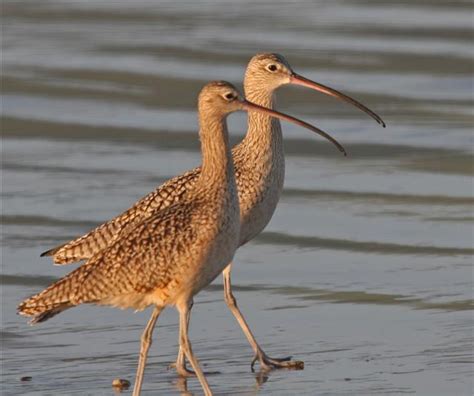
x: 120, y: 384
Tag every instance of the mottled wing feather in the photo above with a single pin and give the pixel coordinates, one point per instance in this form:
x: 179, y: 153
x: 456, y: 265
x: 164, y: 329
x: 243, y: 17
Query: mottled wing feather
x: 142, y: 261
x: 98, y: 239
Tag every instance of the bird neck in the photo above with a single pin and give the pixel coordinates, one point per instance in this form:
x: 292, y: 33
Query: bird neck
x: 217, y: 163
x: 264, y: 132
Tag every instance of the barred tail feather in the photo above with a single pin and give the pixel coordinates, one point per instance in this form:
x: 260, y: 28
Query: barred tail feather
x: 41, y: 309
x: 44, y: 316
x: 57, y: 297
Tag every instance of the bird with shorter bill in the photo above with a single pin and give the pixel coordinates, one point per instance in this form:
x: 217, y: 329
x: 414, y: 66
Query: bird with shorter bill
x: 170, y: 256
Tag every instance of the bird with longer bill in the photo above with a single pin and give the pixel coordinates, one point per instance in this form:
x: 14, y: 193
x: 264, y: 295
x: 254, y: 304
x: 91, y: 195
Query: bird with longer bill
x: 260, y: 169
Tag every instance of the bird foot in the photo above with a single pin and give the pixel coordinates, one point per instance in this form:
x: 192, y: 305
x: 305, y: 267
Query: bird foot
x: 184, y: 372
x: 268, y: 363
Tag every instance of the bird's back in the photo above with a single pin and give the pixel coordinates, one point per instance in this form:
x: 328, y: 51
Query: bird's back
x: 86, y: 246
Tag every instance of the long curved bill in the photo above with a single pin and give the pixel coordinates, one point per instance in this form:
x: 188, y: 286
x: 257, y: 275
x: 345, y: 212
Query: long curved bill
x: 252, y: 106
x: 300, y: 80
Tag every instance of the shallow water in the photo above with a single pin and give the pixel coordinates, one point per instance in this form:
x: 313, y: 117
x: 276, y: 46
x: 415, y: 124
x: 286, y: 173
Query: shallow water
x: 365, y: 271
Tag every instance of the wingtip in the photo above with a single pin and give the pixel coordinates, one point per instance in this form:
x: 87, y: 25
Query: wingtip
x: 49, y: 252
x: 20, y: 312
x: 34, y: 321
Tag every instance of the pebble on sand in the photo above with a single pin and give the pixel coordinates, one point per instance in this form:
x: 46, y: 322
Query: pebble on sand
x: 121, y: 384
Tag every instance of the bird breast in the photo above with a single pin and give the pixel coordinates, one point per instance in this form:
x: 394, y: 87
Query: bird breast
x: 260, y: 184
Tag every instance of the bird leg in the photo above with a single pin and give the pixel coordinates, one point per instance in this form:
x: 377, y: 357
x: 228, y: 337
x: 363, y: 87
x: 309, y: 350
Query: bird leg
x: 184, y: 313
x: 180, y: 364
x: 144, y: 347
x: 266, y: 362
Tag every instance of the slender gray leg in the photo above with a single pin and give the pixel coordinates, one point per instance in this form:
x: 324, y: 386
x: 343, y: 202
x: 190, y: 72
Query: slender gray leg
x: 145, y: 346
x: 186, y: 345
x: 265, y: 361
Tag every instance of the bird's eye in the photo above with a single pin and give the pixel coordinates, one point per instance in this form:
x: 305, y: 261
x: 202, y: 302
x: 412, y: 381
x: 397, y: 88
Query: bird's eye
x: 272, y: 67
x: 229, y: 96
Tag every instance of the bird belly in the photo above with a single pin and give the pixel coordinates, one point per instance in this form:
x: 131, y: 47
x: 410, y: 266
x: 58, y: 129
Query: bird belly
x: 199, y: 271
x: 219, y: 255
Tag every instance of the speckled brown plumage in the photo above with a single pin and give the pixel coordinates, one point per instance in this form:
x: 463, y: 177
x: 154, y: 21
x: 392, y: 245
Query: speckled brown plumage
x: 171, y: 192
x: 259, y: 170
x: 175, y: 252
x: 144, y: 267
x: 94, y: 241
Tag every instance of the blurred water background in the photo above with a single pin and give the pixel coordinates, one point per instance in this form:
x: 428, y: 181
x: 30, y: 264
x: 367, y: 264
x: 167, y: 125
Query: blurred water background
x: 365, y: 271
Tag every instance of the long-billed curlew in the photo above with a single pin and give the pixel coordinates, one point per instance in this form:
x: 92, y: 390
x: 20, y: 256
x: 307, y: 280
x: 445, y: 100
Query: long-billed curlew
x: 168, y: 257
x: 259, y: 166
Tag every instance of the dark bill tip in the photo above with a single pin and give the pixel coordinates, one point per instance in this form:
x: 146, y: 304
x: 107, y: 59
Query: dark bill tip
x: 300, y: 80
